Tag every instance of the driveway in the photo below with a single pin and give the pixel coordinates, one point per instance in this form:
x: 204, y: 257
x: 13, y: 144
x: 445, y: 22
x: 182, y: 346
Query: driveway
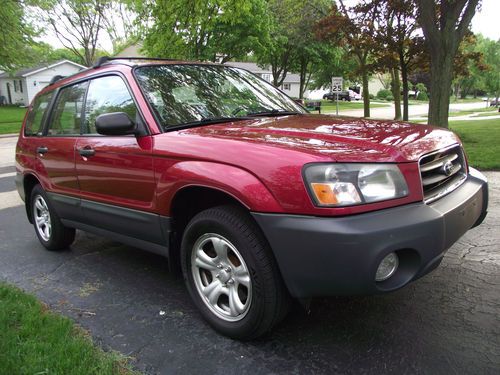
x: 446, y: 323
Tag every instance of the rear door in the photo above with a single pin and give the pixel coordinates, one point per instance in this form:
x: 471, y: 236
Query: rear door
x: 56, y: 149
x: 115, y: 173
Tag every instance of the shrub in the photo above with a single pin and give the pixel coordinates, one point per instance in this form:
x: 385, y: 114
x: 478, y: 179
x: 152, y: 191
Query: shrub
x: 389, y: 98
x: 382, y: 94
x: 371, y: 96
x: 421, y: 87
x: 422, y: 96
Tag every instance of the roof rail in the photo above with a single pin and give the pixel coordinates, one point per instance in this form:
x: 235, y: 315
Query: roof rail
x: 55, y: 79
x: 104, y: 59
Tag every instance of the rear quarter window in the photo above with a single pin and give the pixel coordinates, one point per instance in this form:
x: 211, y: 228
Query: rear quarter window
x: 37, y: 114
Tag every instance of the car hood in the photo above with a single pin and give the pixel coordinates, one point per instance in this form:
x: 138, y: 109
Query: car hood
x: 335, y: 138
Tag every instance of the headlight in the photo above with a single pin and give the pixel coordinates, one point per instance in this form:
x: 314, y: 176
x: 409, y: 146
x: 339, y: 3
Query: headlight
x: 333, y: 185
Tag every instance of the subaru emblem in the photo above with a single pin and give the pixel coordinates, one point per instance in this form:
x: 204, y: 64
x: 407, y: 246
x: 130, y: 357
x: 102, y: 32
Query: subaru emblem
x: 448, y: 168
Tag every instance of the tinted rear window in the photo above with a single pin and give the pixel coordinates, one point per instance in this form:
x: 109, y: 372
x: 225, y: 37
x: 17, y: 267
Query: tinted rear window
x: 37, y: 113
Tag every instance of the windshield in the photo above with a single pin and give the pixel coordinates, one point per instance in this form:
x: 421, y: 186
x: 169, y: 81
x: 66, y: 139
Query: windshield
x: 196, y: 94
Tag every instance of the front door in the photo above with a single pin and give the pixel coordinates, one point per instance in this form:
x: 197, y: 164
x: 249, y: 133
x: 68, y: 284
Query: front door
x: 115, y: 173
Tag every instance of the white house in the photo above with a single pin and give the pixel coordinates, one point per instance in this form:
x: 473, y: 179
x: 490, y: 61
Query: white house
x: 22, y: 86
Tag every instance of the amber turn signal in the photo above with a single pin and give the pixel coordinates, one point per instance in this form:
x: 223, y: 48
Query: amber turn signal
x: 324, y: 193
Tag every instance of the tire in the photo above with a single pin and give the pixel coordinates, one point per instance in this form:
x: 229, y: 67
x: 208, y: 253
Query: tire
x: 48, y: 227
x: 225, y: 255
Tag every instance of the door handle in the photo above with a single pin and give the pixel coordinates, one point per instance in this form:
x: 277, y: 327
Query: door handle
x: 86, y: 151
x: 42, y: 150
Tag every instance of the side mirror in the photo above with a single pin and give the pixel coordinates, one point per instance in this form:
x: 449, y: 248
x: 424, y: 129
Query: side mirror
x: 116, y: 123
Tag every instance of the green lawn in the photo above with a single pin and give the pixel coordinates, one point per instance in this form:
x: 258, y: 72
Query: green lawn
x: 11, y: 119
x: 466, y: 100
x: 481, y: 140
x: 328, y: 106
x: 34, y: 340
x: 471, y: 111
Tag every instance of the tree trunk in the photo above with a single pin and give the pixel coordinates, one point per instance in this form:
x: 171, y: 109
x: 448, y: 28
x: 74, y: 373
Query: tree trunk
x: 404, y: 76
x: 366, y: 94
x: 441, y: 79
x: 303, y: 73
x: 396, y: 93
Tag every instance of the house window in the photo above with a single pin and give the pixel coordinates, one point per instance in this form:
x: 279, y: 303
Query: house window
x: 15, y: 86
x: 286, y: 86
x: 266, y: 77
x: 21, y: 85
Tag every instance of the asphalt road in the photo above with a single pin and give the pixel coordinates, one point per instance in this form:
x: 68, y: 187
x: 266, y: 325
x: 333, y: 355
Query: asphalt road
x: 445, y: 323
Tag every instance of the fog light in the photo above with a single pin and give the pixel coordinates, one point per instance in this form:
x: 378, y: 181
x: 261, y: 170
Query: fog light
x: 387, y: 267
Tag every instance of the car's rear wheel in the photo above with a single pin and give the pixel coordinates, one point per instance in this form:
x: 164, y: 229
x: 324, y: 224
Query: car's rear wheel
x: 231, y: 274
x: 48, y: 227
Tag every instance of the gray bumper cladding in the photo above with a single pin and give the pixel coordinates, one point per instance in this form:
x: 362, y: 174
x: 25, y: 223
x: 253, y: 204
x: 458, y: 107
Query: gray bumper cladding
x: 325, y: 256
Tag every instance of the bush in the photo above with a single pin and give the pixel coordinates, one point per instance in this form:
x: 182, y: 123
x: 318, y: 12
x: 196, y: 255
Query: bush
x: 422, y: 96
x: 420, y: 87
x: 382, y: 94
x: 371, y: 96
x: 389, y: 98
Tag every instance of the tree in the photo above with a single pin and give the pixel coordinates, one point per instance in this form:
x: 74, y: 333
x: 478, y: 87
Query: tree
x: 293, y: 45
x: 397, y: 33
x: 77, y: 24
x: 121, y: 23
x: 492, y: 74
x: 279, y: 51
x: 333, y: 62
x: 469, y: 66
x: 354, y: 28
x: 214, y: 30
x: 444, y: 24
x: 16, y: 34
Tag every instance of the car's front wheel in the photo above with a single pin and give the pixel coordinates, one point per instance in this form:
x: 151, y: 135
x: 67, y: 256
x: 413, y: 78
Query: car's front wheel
x: 231, y: 274
x: 48, y: 227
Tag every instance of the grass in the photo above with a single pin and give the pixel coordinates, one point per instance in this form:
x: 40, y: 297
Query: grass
x: 481, y: 141
x: 330, y: 107
x: 466, y: 100
x: 34, y: 340
x: 470, y: 111
x: 11, y: 119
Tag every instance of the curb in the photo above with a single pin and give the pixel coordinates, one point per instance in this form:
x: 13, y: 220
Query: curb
x: 9, y: 135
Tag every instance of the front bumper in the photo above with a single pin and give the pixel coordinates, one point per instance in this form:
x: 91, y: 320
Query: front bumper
x: 320, y: 256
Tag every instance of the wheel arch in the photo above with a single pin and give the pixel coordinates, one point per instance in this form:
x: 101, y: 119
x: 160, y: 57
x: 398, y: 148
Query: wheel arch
x: 186, y: 203
x: 29, y: 182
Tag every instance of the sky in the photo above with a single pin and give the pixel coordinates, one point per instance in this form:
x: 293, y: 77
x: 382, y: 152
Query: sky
x: 485, y: 21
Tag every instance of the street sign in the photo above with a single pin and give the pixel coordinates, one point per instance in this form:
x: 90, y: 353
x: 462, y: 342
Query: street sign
x: 337, y: 84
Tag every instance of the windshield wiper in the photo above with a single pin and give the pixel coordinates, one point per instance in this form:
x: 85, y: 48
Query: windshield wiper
x: 207, y: 121
x: 273, y: 112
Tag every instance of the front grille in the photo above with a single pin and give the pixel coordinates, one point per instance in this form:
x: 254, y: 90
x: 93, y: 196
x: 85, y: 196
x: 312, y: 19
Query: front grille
x: 442, y: 172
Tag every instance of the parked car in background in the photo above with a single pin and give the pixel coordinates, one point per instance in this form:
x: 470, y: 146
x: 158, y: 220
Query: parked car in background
x: 252, y: 198
x: 354, y: 95
x: 342, y: 95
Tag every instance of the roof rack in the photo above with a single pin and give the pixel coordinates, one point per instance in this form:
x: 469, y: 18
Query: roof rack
x: 55, y: 79
x: 104, y: 59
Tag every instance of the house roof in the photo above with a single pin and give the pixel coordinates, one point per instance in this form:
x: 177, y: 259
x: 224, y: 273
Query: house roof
x: 254, y: 68
x: 29, y: 71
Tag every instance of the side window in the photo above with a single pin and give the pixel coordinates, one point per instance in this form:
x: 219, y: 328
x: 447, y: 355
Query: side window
x: 36, y: 114
x: 66, y: 117
x: 107, y: 95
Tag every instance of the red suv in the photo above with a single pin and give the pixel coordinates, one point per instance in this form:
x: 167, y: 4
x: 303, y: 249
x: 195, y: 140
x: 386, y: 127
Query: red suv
x: 256, y: 200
